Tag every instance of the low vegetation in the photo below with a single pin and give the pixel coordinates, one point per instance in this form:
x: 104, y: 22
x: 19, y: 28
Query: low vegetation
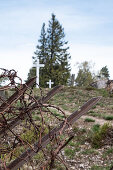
x: 92, y: 140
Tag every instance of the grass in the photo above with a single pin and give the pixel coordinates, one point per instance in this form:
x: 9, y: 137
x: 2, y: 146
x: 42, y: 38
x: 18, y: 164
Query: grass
x: 70, y: 99
x: 98, y: 135
x: 94, y: 114
x: 95, y: 128
x: 89, y: 120
x: 109, y: 117
x: 89, y: 152
x: 96, y: 167
x: 70, y: 152
x: 108, y: 152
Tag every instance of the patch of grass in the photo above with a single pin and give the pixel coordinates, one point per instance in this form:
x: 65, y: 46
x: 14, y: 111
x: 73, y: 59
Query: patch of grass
x: 71, y: 143
x: 89, y: 120
x: 108, y: 152
x: 101, y: 104
x: 96, y: 167
x: 96, y: 127
x: 19, y: 150
x: 36, y: 117
x: 91, y: 111
x: 89, y: 151
x: 94, y: 114
x: 38, y: 156
x: 58, y: 115
x: 94, y: 107
x: 29, y: 136
x: 109, y: 117
x: 69, y: 152
x: 97, y: 137
x: 103, y: 92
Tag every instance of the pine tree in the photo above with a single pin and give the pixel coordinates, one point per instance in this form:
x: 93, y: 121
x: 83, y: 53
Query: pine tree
x: 52, y: 51
x: 104, y: 72
x: 41, y: 53
x: 41, y: 49
x: 59, y: 68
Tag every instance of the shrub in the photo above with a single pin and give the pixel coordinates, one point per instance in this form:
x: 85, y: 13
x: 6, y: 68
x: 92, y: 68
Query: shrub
x: 96, y: 127
x: 98, y: 135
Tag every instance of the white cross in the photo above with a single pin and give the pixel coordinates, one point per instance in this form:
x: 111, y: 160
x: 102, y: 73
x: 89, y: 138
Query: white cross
x: 50, y: 83
x: 38, y: 65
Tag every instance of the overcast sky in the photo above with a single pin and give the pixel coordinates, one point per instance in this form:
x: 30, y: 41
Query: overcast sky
x: 88, y: 25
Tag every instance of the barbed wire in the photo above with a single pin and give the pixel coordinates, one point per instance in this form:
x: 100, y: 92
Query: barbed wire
x: 39, y: 119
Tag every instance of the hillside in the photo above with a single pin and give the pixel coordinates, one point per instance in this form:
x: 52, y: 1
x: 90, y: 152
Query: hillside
x: 86, y: 151
x: 92, y: 144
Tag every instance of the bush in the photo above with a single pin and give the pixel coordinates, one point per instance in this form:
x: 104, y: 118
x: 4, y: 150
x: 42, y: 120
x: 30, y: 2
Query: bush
x: 96, y: 127
x: 98, y: 135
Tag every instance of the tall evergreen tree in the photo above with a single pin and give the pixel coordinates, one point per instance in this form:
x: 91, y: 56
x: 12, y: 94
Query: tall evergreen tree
x: 59, y: 68
x: 41, y: 53
x: 41, y: 49
x: 52, y: 51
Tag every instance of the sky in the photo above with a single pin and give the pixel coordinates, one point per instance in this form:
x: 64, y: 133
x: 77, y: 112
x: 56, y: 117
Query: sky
x: 88, y: 26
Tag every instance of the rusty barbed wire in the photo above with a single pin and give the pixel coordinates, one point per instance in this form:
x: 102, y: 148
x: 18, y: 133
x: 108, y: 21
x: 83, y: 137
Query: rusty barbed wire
x: 39, y: 118
x: 31, y: 127
x: 9, y: 75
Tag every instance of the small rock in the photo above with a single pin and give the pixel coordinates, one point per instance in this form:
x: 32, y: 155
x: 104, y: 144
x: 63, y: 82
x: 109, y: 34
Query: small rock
x: 81, y: 165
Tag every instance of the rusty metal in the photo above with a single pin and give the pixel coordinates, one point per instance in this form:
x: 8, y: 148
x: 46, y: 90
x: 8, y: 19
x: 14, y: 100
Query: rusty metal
x: 22, y: 115
x: 16, y: 96
x: 10, y: 75
x: 28, y: 154
x: 17, y: 120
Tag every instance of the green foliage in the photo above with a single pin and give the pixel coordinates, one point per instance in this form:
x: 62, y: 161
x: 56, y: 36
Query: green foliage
x: 29, y: 136
x: 96, y: 127
x: 103, y: 92
x: 98, y: 135
x: 104, y: 72
x: 69, y: 152
x: 107, y: 152
x: 52, y: 51
x: 84, y: 77
x: 109, y: 117
x: 89, y: 152
x: 96, y: 167
x: 89, y: 120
